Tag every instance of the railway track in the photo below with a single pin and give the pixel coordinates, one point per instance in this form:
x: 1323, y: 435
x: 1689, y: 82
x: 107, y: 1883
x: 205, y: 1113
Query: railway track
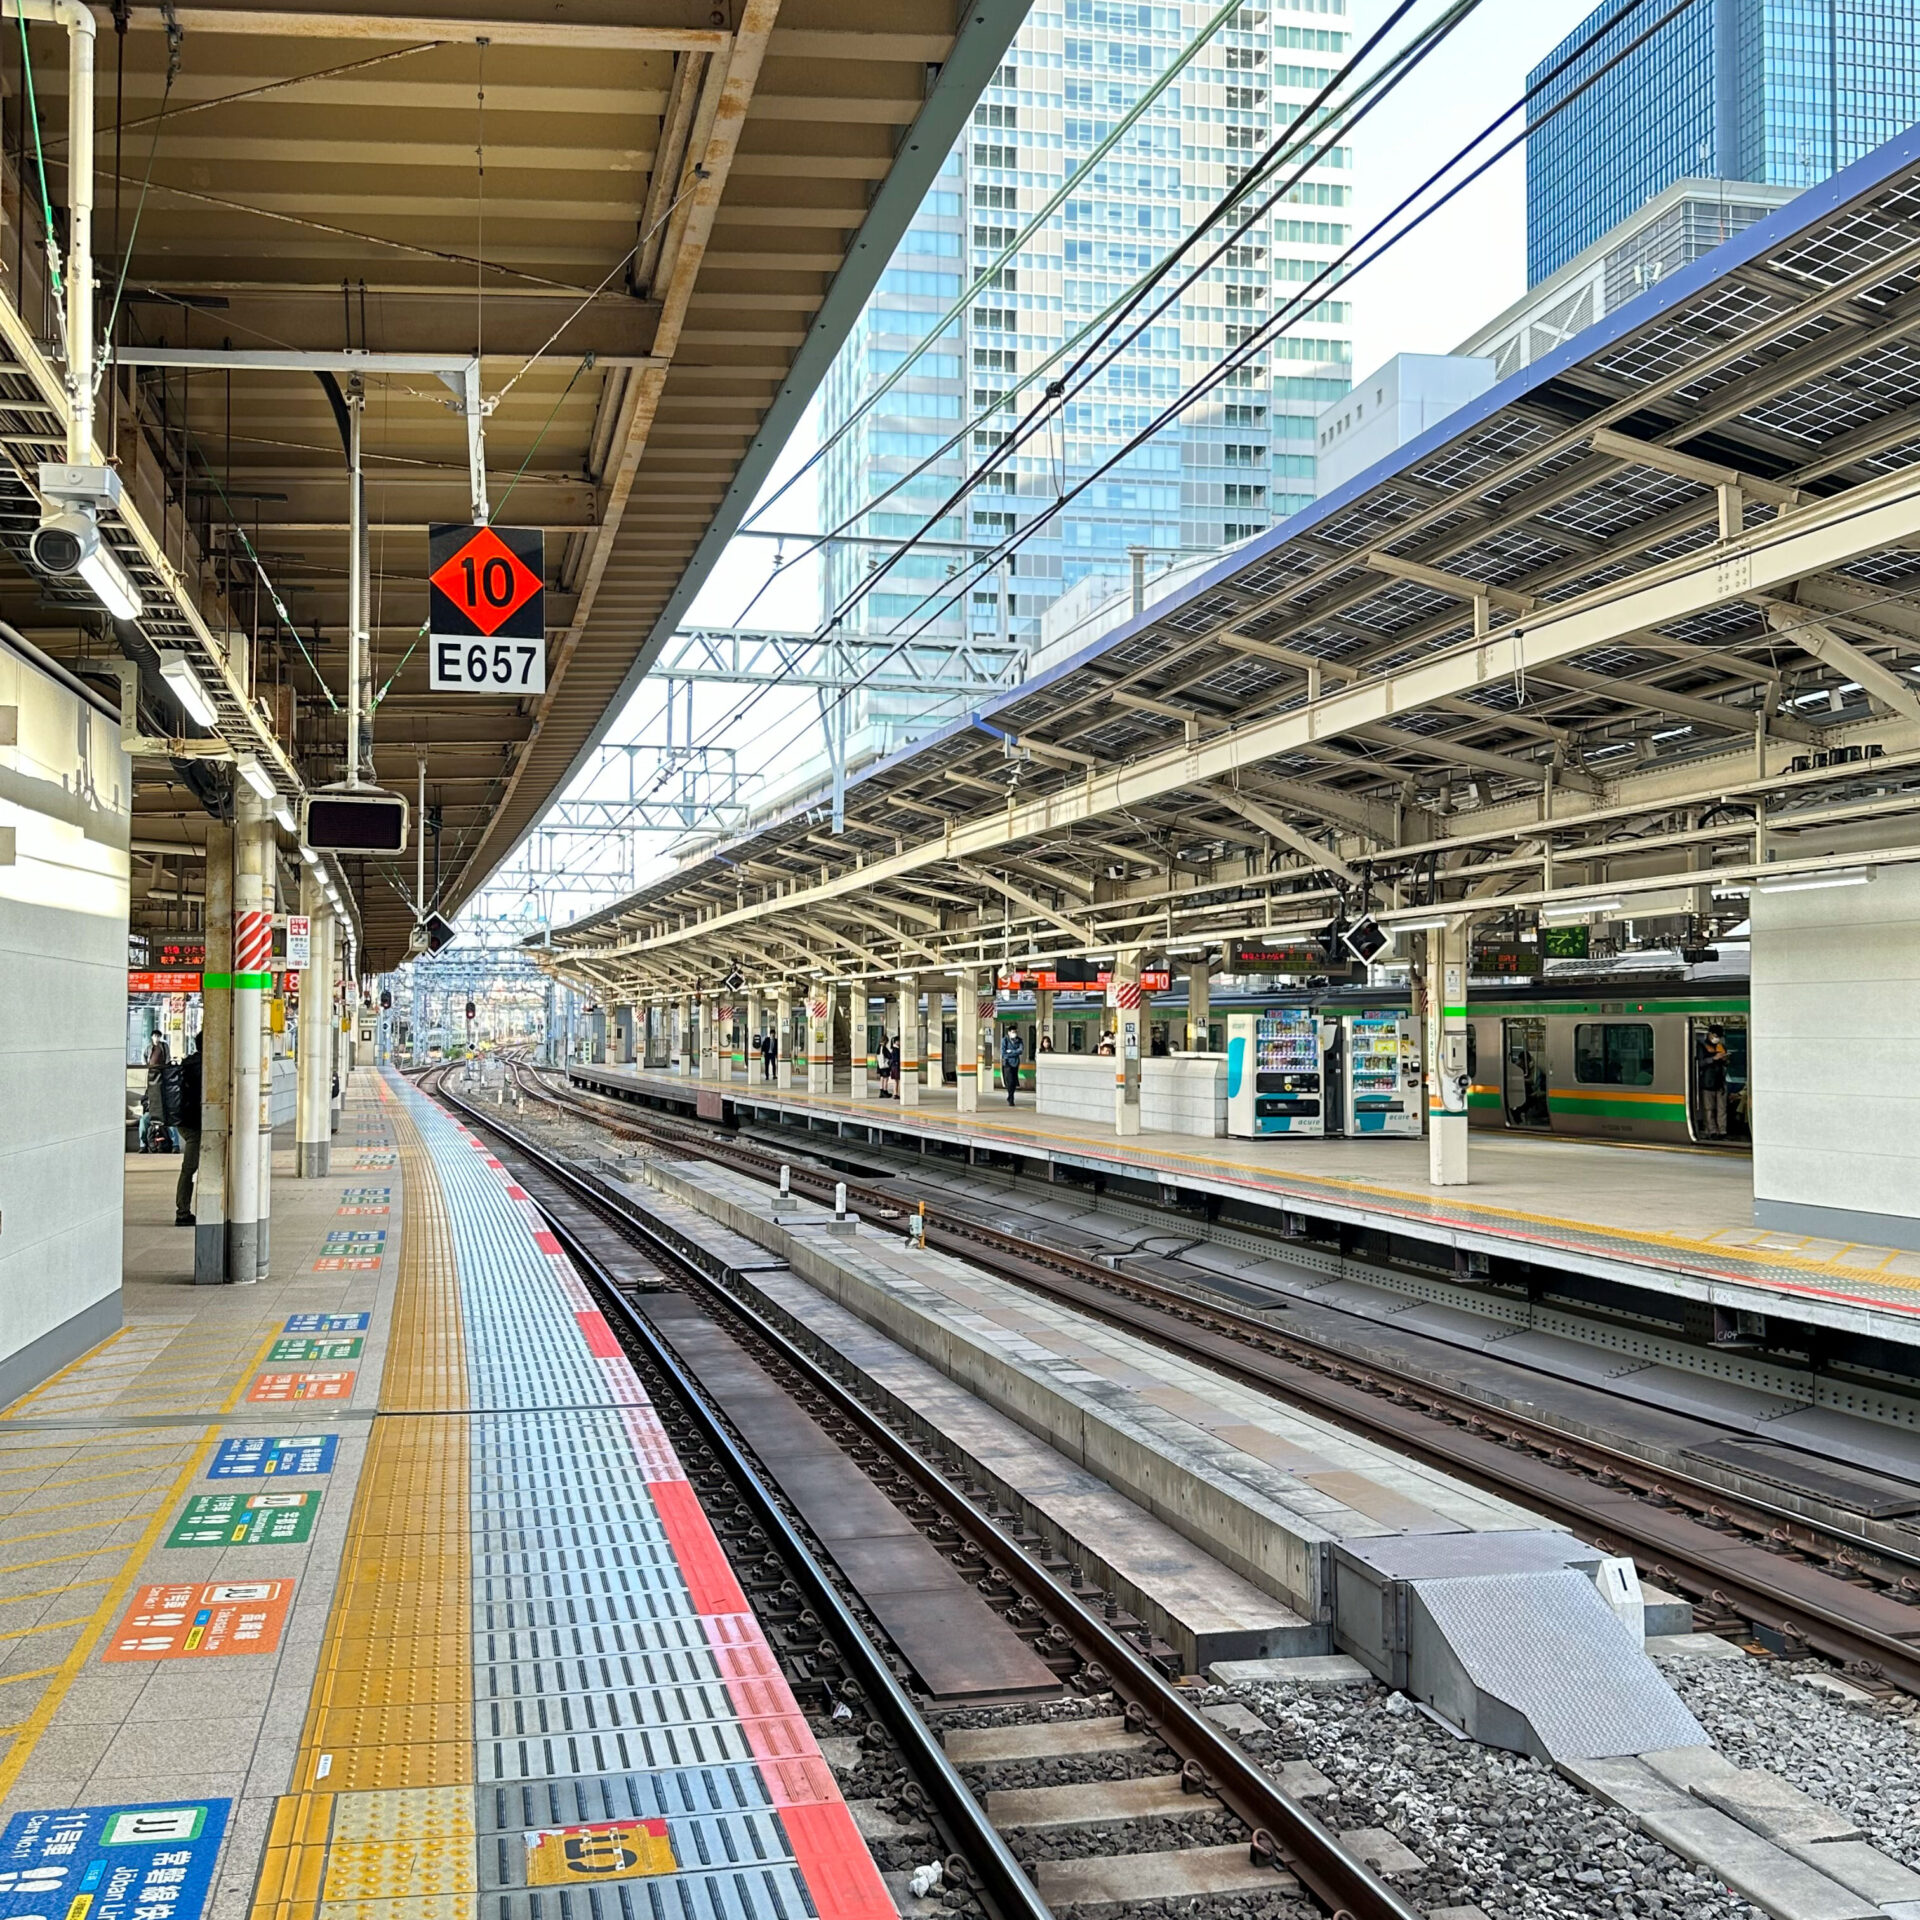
x: 1739, y: 1558
x: 1179, y: 1767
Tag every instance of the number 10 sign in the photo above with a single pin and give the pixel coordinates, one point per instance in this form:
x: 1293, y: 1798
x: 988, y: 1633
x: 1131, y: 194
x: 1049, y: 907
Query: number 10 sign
x: 487, y: 622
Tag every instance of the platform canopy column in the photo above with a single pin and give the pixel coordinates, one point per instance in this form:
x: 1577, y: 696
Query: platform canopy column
x: 733, y: 1042
x: 313, y: 1110
x: 753, y: 1025
x: 709, y: 1037
x: 820, y: 1036
x: 1199, y: 1010
x: 973, y: 1009
x: 623, y: 1051
x: 783, y: 1035
x: 1042, y: 1022
x: 682, y: 1017
x: 216, y: 1063
x: 250, y: 976
x: 859, y: 1052
x: 908, y: 998
x: 1123, y: 996
x: 1445, y: 983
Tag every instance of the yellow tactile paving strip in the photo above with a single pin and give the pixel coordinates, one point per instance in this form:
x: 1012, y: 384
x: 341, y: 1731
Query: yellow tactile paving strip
x: 380, y: 1825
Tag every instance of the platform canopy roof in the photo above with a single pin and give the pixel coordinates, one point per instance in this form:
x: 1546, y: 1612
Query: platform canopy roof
x: 653, y: 222
x: 1650, y: 607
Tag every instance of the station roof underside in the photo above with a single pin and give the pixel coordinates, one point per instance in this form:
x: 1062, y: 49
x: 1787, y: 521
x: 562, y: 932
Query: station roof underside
x: 1650, y: 607
x: 653, y: 222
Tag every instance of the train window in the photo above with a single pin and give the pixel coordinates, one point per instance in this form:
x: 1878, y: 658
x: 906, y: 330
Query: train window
x: 1613, y: 1056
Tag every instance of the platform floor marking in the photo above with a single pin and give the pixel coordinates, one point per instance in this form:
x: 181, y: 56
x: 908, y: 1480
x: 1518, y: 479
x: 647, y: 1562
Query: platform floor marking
x: 92, y: 1627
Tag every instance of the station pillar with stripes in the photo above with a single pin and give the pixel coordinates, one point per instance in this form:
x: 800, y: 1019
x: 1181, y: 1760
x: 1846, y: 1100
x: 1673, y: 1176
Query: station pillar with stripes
x: 970, y: 1007
x: 1125, y: 995
x: 252, y: 954
x: 820, y: 1036
x: 216, y: 1062
x: 1445, y: 983
x: 909, y: 1002
x: 783, y: 1032
x: 1199, y: 1012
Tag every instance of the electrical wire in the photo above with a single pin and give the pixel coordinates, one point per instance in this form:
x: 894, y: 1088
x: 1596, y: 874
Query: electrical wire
x: 1285, y: 316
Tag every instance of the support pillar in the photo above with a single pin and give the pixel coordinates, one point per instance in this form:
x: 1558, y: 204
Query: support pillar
x: 1042, y: 1023
x: 216, y: 1063
x: 783, y: 1033
x: 971, y: 1010
x: 987, y: 1061
x: 681, y: 1015
x: 252, y: 949
x: 1446, y: 997
x: 337, y: 1018
x: 909, y: 1015
x: 1199, y: 1005
x: 860, y: 1060
x: 621, y: 1052
x: 313, y: 1112
x: 709, y: 1037
x: 733, y: 1039
x: 820, y: 1037
x: 755, y: 1027
x: 1123, y: 995
x: 269, y: 899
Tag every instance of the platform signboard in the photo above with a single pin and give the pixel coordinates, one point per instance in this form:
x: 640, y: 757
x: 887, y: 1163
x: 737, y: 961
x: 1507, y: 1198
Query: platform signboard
x: 191, y: 1620
x: 262, y: 1456
x: 112, y: 1863
x: 299, y: 942
x: 246, y: 1520
x: 487, y: 630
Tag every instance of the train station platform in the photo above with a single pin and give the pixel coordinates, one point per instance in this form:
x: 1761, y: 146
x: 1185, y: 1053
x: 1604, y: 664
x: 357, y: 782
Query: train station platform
x: 471, y: 1634
x: 1675, y: 1221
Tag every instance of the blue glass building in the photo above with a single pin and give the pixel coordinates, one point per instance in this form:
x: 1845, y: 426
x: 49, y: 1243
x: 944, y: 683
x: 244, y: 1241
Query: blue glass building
x: 1780, y: 91
x: 1229, y: 468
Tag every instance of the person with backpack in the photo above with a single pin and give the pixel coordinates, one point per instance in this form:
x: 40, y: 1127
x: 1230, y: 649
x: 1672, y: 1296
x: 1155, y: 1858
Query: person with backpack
x: 155, y: 1130
x: 187, y: 1121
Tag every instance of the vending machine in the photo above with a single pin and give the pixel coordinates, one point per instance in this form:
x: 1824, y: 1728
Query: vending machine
x: 1381, y: 1072
x: 1274, y: 1072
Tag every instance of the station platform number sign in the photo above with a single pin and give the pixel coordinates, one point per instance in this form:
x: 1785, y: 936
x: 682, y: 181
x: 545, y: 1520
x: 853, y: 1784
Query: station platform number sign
x: 111, y: 1863
x: 487, y: 618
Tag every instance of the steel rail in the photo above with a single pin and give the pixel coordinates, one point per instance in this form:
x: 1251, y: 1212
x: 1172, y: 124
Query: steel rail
x: 1298, y: 1367
x: 1281, y: 1827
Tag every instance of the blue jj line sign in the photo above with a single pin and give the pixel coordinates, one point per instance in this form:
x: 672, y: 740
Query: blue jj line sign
x: 111, y: 1863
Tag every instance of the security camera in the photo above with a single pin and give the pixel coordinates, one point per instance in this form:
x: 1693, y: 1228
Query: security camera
x: 63, y: 539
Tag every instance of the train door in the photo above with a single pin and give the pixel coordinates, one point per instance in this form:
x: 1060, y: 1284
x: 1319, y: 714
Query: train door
x: 1719, y: 1101
x: 1523, y: 1074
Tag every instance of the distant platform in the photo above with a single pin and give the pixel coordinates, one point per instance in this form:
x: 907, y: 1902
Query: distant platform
x: 1677, y: 1222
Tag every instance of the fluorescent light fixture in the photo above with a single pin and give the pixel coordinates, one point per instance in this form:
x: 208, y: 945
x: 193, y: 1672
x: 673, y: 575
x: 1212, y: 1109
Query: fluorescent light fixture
x: 1673, y: 733
x: 283, y: 817
x: 254, y: 774
x: 108, y: 579
x: 1578, y: 909
x: 177, y: 671
x: 1419, y: 926
x: 1733, y: 890
x: 1810, y: 882
x: 309, y: 856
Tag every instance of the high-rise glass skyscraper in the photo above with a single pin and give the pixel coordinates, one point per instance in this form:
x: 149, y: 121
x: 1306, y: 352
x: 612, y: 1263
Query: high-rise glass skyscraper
x: 1231, y: 466
x: 1780, y: 91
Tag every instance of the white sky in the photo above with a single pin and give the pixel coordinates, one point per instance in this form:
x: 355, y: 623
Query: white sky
x: 1424, y: 296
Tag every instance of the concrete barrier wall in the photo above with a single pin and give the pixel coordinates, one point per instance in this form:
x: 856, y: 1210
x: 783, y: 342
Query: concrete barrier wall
x: 1075, y: 1086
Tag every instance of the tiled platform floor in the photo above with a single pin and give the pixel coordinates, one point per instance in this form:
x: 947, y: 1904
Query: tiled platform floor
x: 1673, y: 1219
x: 508, y: 1655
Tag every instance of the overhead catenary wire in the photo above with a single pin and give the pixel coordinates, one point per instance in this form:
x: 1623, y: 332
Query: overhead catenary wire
x: 1291, y: 311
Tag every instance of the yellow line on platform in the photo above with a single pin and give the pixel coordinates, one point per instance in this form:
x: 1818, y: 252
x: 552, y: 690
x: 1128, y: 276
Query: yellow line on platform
x: 53, y: 1380
x: 95, y: 1624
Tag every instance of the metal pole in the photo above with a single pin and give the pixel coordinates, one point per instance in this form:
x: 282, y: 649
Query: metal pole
x: 356, y: 579
x: 420, y: 847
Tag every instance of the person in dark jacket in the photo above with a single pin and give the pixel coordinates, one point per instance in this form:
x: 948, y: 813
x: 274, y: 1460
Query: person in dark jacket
x: 1010, y: 1051
x: 187, y: 1123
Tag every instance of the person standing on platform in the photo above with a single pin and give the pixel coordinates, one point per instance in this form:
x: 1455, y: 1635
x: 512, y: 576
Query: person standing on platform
x: 1010, y: 1051
x: 1713, y: 1085
x: 769, y: 1053
x: 187, y: 1121
x: 155, y: 1131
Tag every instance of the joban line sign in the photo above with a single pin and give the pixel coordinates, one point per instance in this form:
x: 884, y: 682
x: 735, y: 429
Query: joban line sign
x: 487, y: 621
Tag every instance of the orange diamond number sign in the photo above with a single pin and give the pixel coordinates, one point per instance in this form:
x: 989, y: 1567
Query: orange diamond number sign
x: 487, y: 620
